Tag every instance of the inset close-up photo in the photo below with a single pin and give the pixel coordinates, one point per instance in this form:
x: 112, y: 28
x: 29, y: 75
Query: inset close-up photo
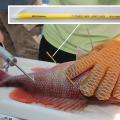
x: 63, y: 14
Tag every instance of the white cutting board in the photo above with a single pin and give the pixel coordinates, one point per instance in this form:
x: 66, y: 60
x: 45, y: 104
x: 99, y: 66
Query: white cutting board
x: 37, y: 112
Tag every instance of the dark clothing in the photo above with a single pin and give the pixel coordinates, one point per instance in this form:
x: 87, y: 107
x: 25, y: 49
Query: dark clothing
x: 60, y: 57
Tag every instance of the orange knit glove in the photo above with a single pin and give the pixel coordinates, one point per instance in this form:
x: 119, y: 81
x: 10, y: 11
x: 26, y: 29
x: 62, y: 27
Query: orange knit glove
x: 103, y: 80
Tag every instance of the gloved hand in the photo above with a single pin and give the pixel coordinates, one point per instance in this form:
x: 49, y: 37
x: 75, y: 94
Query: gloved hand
x: 104, y: 62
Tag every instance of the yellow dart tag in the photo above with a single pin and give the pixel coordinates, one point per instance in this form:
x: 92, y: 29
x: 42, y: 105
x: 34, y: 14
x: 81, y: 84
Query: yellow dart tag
x: 66, y: 16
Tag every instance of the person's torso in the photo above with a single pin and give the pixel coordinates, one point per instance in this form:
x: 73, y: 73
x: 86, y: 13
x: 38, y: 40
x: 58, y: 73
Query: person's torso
x: 84, y: 2
x: 56, y: 34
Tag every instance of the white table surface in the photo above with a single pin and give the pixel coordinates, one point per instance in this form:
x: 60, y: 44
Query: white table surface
x: 37, y: 112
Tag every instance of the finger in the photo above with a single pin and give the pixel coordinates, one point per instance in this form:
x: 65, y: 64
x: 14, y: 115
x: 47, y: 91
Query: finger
x: 107, y: 84
x: 116, y: 91
x: 89, y: 85
x: 80, y: 66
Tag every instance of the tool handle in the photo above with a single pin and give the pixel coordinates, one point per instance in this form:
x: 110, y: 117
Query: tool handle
x: 7, y: 56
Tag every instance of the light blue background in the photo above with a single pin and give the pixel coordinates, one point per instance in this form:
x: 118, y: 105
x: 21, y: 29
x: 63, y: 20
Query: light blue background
x: 4, y: 3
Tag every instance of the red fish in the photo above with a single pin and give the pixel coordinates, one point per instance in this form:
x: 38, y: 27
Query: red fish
x: 51, y: 88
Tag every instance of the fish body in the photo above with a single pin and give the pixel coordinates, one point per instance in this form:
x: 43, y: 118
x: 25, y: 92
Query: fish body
x: 51, y: 88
